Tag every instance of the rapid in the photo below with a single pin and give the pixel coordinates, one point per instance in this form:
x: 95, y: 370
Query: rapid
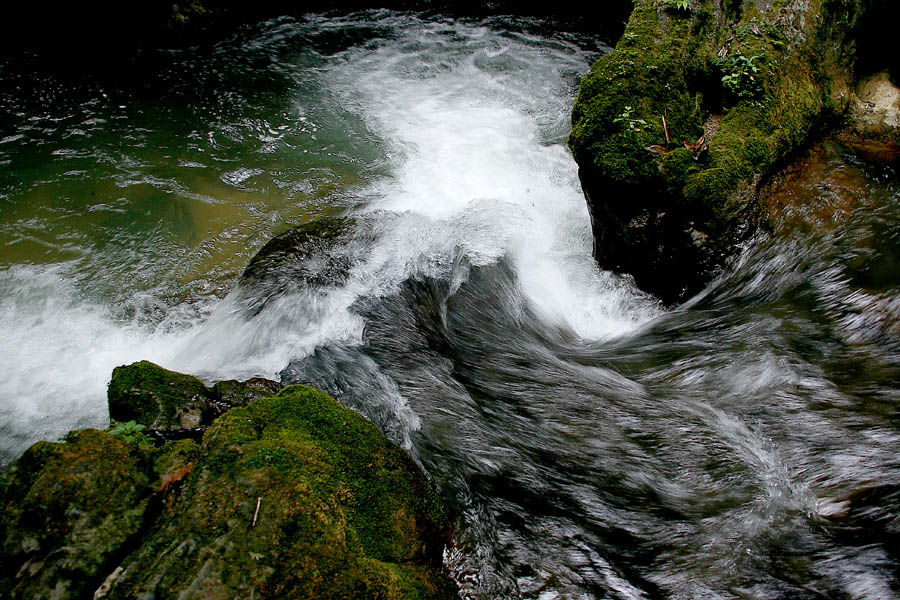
x: 590, y: 442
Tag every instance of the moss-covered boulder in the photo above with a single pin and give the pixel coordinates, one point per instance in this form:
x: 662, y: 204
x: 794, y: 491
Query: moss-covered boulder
x: 159, y: 398
x: 288, y: 496
x: 674, y: 130
x: 167, y: 401
x: 293, y: 496
x: 69, y: 512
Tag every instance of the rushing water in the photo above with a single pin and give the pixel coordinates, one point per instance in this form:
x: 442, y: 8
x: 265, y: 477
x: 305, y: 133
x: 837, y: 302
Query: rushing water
x: 592, y: 444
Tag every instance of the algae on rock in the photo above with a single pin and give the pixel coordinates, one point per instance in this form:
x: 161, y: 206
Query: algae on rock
x: 157, y: 397
x: 727, y: 91
x: 167, y: 401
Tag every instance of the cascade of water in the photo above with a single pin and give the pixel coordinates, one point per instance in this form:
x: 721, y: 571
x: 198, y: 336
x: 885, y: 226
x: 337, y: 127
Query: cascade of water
x: 591, y: 444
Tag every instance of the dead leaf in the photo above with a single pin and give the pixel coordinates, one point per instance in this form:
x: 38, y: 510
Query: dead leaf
x: 657, y: 149
x: 698, y: 147
x: 695, y: 146
x: 173, y: 477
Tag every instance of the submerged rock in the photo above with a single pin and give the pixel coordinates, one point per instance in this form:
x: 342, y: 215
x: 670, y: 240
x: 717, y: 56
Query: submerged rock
x: 820, y: 190
x: 304, y: 253
x: 316, y: 254
x: 841, y: 190
x: 288, y: 496
x: 675, y: 129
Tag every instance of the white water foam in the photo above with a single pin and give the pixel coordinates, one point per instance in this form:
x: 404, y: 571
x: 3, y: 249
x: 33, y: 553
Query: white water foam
x: 475, y: 124
x: 57, y: 356
x: 470, y: 131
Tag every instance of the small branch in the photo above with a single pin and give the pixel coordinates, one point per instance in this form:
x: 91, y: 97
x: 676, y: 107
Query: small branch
x: 666, y: 128
x: 256, y: 512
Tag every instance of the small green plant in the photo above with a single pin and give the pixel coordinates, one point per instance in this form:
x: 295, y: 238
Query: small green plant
x: 629, y: 123
x: 739, y: 75
x: 131, y: 432
x: 679, y: 4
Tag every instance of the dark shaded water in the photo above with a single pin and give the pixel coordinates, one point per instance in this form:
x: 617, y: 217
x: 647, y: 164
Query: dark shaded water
x: 593, y: 445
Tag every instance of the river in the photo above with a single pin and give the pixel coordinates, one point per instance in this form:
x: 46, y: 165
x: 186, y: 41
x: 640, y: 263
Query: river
x: 591, y: 442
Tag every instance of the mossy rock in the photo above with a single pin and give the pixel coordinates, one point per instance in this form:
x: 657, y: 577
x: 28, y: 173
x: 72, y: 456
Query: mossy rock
x: 292, y: 496
x: 166, y: 401
x: 288, y: 496
x: 70, y: 510
x: 158, y: 398
x: 238, y: 393
x: 674, y: 130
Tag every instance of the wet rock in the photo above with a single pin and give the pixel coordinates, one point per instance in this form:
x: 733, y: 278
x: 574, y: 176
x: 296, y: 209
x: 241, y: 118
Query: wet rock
x: 158, y: 398
x: 293, y: 496
x: 70, y: 510
x: 302, y: 252
x: 820, y: 190
x: 841, y: 189
x: 238, y: 393
x: 166, y: 401
x: 287, y: 496
x: 815, y: 192
x: 729, y: 91
x: 878, y: 103
x: 316, y: 254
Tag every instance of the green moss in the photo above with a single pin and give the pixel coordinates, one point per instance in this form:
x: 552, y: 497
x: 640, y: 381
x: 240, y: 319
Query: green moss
x: 300, y: 497
x: 764, y: 72
x: 69, y: 510
x: 239, y: 393
x: 157, y: 397
x: 174, y: 455
x: 289, y: 496
x: 630, y: 77
x: 312, y: 429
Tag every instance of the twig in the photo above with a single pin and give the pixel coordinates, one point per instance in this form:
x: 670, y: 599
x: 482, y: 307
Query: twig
x: 256, y: 512
x: 666, y: 128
